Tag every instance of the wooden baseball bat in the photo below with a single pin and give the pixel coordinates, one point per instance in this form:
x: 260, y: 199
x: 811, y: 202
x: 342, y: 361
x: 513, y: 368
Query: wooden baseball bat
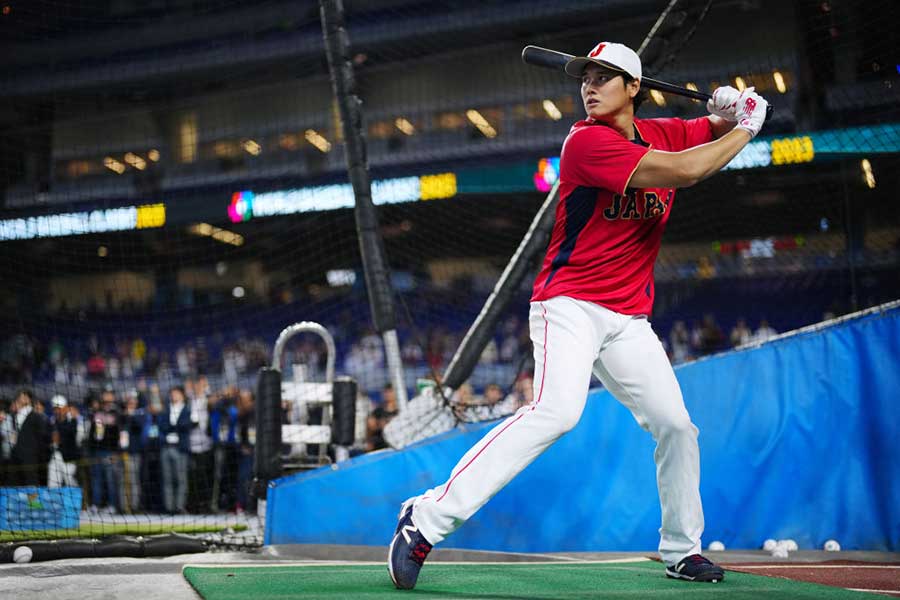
x: 544, y: 57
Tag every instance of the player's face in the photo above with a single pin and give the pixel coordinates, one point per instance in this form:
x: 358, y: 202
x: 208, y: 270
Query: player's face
x: 603, y: 92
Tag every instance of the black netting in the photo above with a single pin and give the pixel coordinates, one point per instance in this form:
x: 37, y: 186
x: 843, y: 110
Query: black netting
x: 175, y: 195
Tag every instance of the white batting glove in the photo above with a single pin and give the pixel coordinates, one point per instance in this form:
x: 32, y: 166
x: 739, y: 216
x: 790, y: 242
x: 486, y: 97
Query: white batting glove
x: 724, y: 102
x: 751, y: 112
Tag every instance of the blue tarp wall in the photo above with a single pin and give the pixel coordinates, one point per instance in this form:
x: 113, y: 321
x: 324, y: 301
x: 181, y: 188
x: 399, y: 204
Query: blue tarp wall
x: 799, y: 438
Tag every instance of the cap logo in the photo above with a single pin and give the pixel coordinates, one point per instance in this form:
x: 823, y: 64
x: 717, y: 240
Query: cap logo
x: 596, y: 51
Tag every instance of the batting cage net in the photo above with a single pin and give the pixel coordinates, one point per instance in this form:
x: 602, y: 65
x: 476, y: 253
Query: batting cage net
x: 176, y: 196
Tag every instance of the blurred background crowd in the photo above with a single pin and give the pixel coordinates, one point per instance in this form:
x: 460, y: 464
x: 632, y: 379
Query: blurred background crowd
x: 185, y: 449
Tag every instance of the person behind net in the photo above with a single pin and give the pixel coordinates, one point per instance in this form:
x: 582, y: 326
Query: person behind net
x: 151, y: 465
x: 174, y: 432
x: 67, y: 433
x: 131, y: 439
x: 590, y: 307
x: 201, y: 463
x: 103, y: 442
x: 31, y: 448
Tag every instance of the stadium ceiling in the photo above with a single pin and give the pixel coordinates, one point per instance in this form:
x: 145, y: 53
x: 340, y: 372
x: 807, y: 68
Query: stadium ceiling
x: 110, y: 50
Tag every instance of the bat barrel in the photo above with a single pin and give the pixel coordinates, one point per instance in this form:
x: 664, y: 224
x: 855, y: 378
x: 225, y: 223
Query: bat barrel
x: 542, y: 57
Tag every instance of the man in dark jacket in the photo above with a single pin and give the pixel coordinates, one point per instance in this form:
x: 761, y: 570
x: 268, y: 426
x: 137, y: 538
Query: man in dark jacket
x: 7, y: 440
x: 31, y: 451
x: 66, y: 433
x: 103, y: 441
x: 223, y: 423
x: 175, y: 435
x: 151, y: 476
x: 132, y: 450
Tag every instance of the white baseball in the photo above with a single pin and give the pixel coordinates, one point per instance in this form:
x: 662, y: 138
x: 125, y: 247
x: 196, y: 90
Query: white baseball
x: 791, y: 545
x: 832, y: 546
x: 779, y: 552
x: 769, y: 545
x: 716, y: 546
x: 22, y: 554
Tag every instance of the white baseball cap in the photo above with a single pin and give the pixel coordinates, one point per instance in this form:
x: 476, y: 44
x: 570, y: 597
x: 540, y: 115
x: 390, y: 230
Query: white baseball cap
x: 59, y: 401
x: 611, y: 55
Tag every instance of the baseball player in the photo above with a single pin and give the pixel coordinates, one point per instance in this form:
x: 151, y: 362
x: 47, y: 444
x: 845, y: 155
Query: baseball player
x: 590, y: 308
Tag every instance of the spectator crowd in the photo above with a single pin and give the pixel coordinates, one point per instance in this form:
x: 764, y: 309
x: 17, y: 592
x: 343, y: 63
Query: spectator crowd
x: 188, y: 451
x: 688, y: 342
x: 24, y: 359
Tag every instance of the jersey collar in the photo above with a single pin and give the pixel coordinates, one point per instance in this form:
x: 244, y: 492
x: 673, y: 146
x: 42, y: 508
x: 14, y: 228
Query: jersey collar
x: 638, y: 138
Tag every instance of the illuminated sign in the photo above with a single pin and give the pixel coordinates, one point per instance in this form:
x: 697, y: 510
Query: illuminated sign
x: 77, y: 223
x: 330, y: 197
x: 547, y: 174
x: 150, y: 216
x: 340, y: 277
x: 433, y: 187
x: 241, y: 207
x: 754, y: 154
x: 871, y: 139
x: 783, y: 151
x: 788, y: 151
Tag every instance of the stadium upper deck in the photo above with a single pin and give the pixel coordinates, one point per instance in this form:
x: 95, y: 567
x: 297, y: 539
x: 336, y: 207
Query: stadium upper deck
x: 131, y: 102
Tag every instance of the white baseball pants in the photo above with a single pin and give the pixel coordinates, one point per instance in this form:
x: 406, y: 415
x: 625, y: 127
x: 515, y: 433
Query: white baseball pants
x: 571, y: 339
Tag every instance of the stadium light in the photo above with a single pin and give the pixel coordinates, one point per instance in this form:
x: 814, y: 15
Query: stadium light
x: 779, y: 82
x: 113, y: 165
x: 404, y: 126
x: 692, y: 86
x: 220, y: 235
x: 658, y: 97
x: 739, y: 83
x: 135, y: 161
x: 316, y: 139
x: 252, y: 147
x: 153, y: 155
x: 551, y: 110
x: 868, y: 174
x: 481, y: 123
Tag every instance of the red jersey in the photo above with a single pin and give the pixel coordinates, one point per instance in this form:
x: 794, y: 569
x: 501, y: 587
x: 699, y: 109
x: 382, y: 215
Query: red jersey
x: 606, y: 236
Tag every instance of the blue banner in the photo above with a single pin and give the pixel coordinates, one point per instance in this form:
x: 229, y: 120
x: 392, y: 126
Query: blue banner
x: 798, y: 439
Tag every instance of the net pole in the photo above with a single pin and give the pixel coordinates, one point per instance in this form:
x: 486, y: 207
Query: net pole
x: 374, y: 258
x: 482, y: 329
x: 655, y: 28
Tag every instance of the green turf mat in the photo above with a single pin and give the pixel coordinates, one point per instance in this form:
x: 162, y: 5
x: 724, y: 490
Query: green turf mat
x: 492, y: 582
x: 102, y: 529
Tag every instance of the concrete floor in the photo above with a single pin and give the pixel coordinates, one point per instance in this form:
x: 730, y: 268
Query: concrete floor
x: 161, y: 579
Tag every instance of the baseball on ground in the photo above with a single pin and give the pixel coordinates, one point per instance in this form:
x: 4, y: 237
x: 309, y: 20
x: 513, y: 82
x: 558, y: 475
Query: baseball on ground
x: 22, y: 554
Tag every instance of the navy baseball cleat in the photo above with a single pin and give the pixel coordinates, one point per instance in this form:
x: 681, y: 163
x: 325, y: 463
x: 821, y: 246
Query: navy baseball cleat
x: 408, y: 550
x: 696, y: 568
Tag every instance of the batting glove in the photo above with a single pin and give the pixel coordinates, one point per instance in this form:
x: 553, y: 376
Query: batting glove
x: 724, y: 102
x: 751, y: 112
